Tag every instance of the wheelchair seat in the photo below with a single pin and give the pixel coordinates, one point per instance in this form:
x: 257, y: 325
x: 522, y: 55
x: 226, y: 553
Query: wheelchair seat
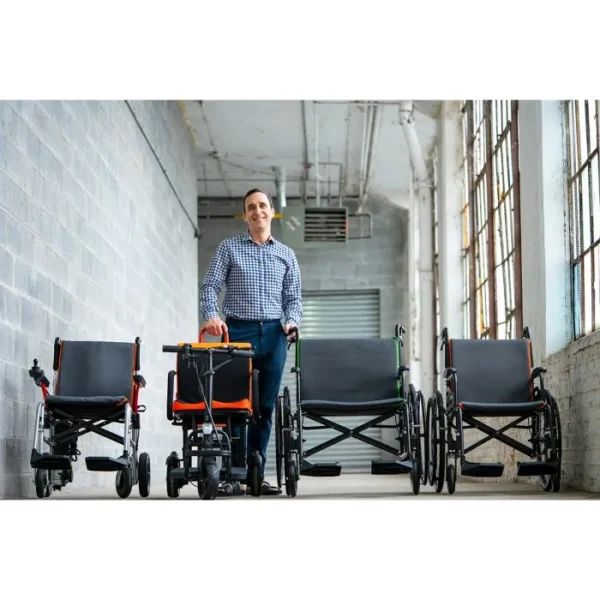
x: 493, y: 377
x: 342, y: 377
x: 85, y: 405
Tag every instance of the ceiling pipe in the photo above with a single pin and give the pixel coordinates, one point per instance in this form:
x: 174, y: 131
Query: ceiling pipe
x: 317, y: 157
x: 374, y: 134
x: 280, y: 185
x: 406, y: 112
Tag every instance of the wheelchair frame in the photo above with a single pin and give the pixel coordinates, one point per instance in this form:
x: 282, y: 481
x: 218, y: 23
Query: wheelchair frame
x: 445, y: 425
x: 53, y: 471
x: 204, y: 438
x: 291, y: 456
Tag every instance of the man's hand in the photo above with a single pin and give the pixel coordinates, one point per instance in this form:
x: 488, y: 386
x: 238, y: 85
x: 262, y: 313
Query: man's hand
x: 294, y: 335
x: 215, y: 326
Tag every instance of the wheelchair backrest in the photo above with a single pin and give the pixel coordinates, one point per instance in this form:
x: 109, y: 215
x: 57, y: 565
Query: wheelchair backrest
x: 491, y: 371
x: 351, y: 370
x: 96, y: 369
x: 231, y: 382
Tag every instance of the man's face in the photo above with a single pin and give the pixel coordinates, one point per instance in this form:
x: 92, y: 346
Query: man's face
x: 258, y: 212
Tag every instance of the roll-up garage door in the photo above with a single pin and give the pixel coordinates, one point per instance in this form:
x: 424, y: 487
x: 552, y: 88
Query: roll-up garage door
x: 340, y: 314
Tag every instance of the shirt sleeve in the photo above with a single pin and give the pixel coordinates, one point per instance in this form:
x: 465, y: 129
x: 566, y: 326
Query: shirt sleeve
x: 213, y: 282
x: 292, y: 294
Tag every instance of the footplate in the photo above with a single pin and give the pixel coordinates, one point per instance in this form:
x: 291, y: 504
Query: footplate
x: 321, y: 470
x: 390, y: 467
x: 533, y: 469
x: 470, y: 469
x: 51, y: 462
x: 105, y: 463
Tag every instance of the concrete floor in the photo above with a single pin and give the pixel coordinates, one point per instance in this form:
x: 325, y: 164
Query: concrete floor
x: 349, y: 487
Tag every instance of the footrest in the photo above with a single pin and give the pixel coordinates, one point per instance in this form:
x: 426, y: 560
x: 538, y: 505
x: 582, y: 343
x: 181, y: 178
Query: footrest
x: 179, y: 473
x: 529, y: 469
x: 470, y: 469
x: 52, y: 462
x: 105, y: 463
x: 321, y: 470
x: 390, y: 467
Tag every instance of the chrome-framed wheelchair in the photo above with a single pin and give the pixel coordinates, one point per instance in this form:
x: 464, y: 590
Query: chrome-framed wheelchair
x: 96, y: 384
x: 213, y: 396
x: 344, y: 377
x: 491, y: 379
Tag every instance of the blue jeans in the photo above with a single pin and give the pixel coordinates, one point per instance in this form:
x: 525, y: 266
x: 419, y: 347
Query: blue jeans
x: 268, y: 341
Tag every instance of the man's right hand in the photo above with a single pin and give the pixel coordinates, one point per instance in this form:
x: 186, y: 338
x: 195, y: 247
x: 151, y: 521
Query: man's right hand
x: 215, y: 326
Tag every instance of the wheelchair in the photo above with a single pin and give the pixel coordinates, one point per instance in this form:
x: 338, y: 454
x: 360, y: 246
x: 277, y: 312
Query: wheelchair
x: 215, y: 401
x: 338, y: 378
x: 96, y: 384
x: 492, y: 379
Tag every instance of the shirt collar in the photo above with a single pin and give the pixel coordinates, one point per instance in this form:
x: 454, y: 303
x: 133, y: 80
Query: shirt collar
x: 246, y: 237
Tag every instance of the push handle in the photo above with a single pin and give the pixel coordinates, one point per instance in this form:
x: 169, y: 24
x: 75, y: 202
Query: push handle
x: 170, y: 349
x: 224, y: 338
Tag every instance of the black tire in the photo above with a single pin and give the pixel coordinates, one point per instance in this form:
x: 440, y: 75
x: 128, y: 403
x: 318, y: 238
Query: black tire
x: 440, y: 441
x: 431, y: 443
x: 424, y: 450
x: 291, y: 478
x: 254, y: 478
x: 415, y: 478
x: 552, y: 443
x: 451, y: 478
x: 279, y: 440
x: 144, y: 475
x: 558, y: 447
x: 172, y: 485
x: 209, y: 485
x: 255, y: 395
x: 287, y: 420
x: 124, y: 482
x: 43, y: 489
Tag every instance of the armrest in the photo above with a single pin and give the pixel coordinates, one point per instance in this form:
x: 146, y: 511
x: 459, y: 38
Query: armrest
x: 139, y: 379
x: 170, y: 392
x: 537, y: 372
x: 401, y: 370
x: 449, y: 372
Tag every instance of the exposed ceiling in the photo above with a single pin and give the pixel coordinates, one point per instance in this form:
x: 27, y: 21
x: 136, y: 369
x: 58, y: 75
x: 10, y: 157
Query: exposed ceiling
x: 325, y: 147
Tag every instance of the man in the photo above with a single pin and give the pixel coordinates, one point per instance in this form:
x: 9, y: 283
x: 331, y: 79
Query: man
x: 262, y: 280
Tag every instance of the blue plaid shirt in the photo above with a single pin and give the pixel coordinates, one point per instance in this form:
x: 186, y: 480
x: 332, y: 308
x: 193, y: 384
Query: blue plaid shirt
x: 263, y: 282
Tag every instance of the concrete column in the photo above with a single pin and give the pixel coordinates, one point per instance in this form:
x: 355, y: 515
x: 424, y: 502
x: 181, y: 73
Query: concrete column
x: 545, y: 230
x: 451, y: 194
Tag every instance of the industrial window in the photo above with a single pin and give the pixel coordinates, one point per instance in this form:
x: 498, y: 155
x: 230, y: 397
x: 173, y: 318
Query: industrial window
x: 583, y: 135
x: 491, y: 220
x: 436, y: 271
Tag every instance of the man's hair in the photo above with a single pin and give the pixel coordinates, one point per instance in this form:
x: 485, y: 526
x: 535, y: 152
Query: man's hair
x: 256, y: 191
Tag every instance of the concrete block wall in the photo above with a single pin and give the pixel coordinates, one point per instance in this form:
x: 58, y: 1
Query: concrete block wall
x: 93, y: 245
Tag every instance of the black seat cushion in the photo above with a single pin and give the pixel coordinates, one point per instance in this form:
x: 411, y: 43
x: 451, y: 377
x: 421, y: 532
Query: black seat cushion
x: 333, y: 408
x: 493, y: 376
x: 508, y: 409
x: 86, y: 405
x: 349, y: 376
